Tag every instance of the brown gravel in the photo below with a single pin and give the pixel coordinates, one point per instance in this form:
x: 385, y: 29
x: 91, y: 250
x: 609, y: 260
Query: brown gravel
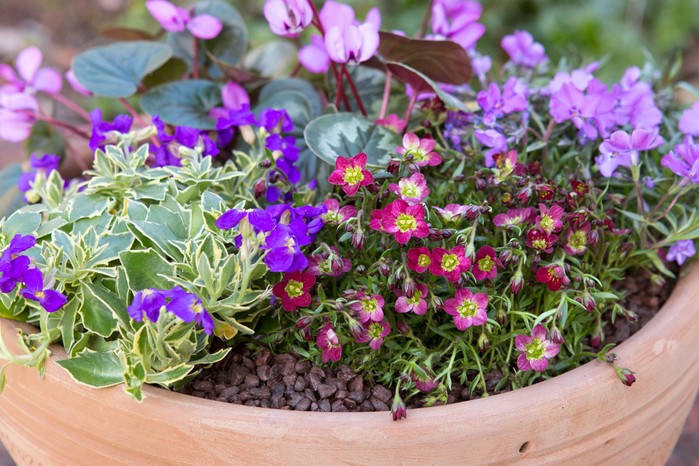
x: 287, y: 381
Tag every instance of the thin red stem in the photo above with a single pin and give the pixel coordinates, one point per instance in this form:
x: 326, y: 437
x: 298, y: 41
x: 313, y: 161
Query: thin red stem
x: 195, y: 59
x: 71, y: 105
x: 355, y: 93
x: 59, y: 123
x: 138, y: 119
x: 386, y: 94
x: 409, y: 110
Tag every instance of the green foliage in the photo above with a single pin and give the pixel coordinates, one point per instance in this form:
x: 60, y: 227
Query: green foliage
x: 184, y: 103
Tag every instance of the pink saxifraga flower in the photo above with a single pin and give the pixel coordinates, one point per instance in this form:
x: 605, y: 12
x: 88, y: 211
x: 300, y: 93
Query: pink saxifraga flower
x: 536, y: 350
x: 294, y: 290
x: 329, y: 343
x: 420, y: 151
x: 467, y: 308
x: 450, y: 263
x: 392, y: 122
x: 424, y: 382
x: 452, y: 213
x: 550, y: 220
x: 577, y: 240
x: 177, y: 19
x: 413, y: 189
x: 486, y: 263
x: 374, y: 333
x: 514, y: 217
x: 540, y: 240
x: 351, y: 174
x: 417, y: 303
x: 288, y: 18
x: 329, y: 265
x: 368, y: 307
x: 335, y: 214
x: 419, y: 259
x: 553, y: 276
x: 405, y: 221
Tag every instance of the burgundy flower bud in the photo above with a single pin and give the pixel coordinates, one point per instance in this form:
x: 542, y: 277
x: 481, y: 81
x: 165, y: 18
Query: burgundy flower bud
x: 524, y: 195
x: 593, y: 238
x: 260, y: 188
x: 516, y: 282
x: 460, y: 177
x: 356, y: 328
x: 626, y: 376
x: 393, y: 166
x: 437, y: 303
x: 534, y: 168
x: 412, y: 168
x: 501, y: 316
x: 398, y: 410
x: 266, y: 163
x: 434, y: 235
x: 339, y: 305
x: 349, y: 295
x: 408, y: 287
x: 358, y: 239
x: 556, y: 336
x: 307, y: 334
x: 535, y: 260
x: 303, y: 322
x: 384, y: 269
x: 480, y: 184
x: 274, y: 177
x: 588, y: 301
x: 506, y: 256
x: 596, y: 340
x: 374, y: 187
x: 447, y: 233
x: 360, y: 269
x: 403, y: 327
x: 627, y: 247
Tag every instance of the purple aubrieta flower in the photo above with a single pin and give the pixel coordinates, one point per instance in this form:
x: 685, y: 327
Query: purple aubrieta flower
x: 17, y: 115
x: 18, y: 244
x: 689, y: 121
x: 189, y: 308
x: 496, y: 104
x: 192, y: 138
x: 100, y: 128
x: 283, y: 247
x: 177, y: 19
x: 288, y: 18
x: 522, y: 49
x: 457, y: 21
x: 276, y: 121
x: 536, y: 350
x: 50, y: 300
x: 621, y: 149
x: 30, y: 77
x: 44, y: 164
x: 684, y: 160
x: 148, y: 301
x: 681, y: 251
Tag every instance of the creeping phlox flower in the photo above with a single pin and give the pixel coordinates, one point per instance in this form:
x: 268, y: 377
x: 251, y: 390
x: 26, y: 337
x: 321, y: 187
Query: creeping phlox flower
x: 50, y: 300
x: 13, y: 264
x: 689, y: 121
x: 514, y: 217
x: 351, y: 174
x: 402, y: 220
x: 191, y: 138
x: 450, y: 263
x: 681, y: 251
x: 536, y: 350
x: 368, y: 308
x: 374, y: 333
x: 44, y: 165
x: 467, y: 308
x: 101, y: 130
x: 413, y: 189
x: 621, y: 149
x: 683, y: 160
x: 336, y: 214
x: 186, y: 306
x: 496, y: 104
x: 416, y: 303
x: 329, y: 343
x: 419, y: 151
x: 494, y: 140
x: 553, y: 276
x: 294, y: 290
x: 522, y: 49
x: 177, y: 19
x: 288, y: 18
x: 419, y: 259
x: 486, y: 263
x: 30, y: 77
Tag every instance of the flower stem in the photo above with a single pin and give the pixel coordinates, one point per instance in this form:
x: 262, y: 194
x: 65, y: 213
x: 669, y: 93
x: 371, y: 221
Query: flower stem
x: 59, y: 123
x: 386, y: 94
x: 425, y: 21
x: 409, y: 110
x: 352, y: 86
x: 195, y: 58
x: 71, y: 105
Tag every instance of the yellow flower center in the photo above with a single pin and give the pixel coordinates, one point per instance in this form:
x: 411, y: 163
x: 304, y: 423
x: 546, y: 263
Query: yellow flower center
x: 449, y: 262
x: 370, y: 305
x: 424, y: 260
x: 547, y: 222
x: 410, y: 190
x: 39, y: 295
x: 353, y: 175
x: 415, y: 300
x: 578, y: 240
x: 198, y: 308
x: 406, y: 222
x: 375, y: 330
x: 535, y: 349
x: 539, y: 243
x: 486, y: 264
x: 467, y: 309
x: 294, y: 288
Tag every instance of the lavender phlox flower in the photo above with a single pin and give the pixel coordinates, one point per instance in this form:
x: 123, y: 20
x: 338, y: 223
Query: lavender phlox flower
x: 689, y: 121
x: 569, y: 103
x: 457, y: 22
x: 495, y: 141
x: 77, y: 85
x: 635, y: 102
x: 496, y: 104
x: 621, y: 149
x: 580, y: 78
x: 681, y: 251
x: 683, y: 160
x: 522, y: 49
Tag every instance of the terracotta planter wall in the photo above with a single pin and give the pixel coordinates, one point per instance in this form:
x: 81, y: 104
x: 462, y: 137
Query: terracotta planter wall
x: 583, y: 417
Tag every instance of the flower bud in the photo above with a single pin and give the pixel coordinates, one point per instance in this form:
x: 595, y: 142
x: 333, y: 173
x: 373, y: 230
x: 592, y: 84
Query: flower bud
x: 460, y: 177
x: 524, y: 195
x: 32, y: 196
x: 247, y: 133
x: 260, y: 188
x: 384, y: 269
x: 266, y: 163
x: 483, y: 342
x: 480, y: 184
x: 356, y: 328
x: 596, y: 340
x: 360, y: 269
x: 556, y: 336
x: 358, y: 239
x: 303, y: 322
x: 626, y: 376
x: 374, y: 187
x: 517, y: 282
x: 307, y: 334
x: 409, y: 287
x: 398, y: 410
x: 393, y: 166
x: 404, y: 328
x: 534, y: 168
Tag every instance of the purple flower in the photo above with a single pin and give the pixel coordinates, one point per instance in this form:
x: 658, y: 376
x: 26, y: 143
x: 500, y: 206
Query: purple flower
x: 230, y: 219
x: 495, y: 141
x: 689, y: 121
x: 417, y: 303
x: 684, y: 160
x: 275, y: 121
x: 100, y: 128
x: 496, y: 104
x: 17, y: 115
x: 635, y: 102
x: 189, y: 308
x: 76, y: 85
x: 572, y: 104
x: 44, y: 164
x: 580, y: 78
x: 288, y: 18
x: 522, y: 49
x: 32, y: 77
x: 314, y: 57
x: 352, y: 43
x: 192, y: 138
x: 681, y: 251
x: 457, y: 22
x: 622, y: 149
x: 284, y: 248
x: 149, y: 301
x: 50, y: 300
x: 177, y: 19
x: 240, y: 117
x: 234, y: 96
x: 18, y: 244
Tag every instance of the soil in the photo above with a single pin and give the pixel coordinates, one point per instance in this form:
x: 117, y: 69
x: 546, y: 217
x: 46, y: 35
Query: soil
x: 287, y: 381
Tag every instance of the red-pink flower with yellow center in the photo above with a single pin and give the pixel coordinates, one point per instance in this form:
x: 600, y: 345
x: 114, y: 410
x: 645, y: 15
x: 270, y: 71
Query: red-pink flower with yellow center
x: 550, y: 220
x: 416, y: 303
x: 329, y: 343
x: 485, y: 267
x: 419, y: 151
x: 374, y: 333
x: 467, y: 308
x: 351, y: 173
x: 293, y: 290
x: 368, y: 307
x: 540, y: 240
x: 552, y: 276
x: 404, y: 221
x: 419, y: 259
x: 413, y: 189
x: 536, y: 350
x: 450, y: 264
x: 336, y: 214
x: 513, y: 217
x: 577, y: 240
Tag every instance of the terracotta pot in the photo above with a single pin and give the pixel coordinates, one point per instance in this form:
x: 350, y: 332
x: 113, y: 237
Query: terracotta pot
x: 583, y: 417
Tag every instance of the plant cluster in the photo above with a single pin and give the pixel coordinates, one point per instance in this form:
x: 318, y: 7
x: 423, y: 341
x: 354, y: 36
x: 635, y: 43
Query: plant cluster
x: 477, y: 237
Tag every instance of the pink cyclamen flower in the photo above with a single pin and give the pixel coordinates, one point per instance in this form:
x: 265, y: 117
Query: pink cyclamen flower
x: 405, y: 221
x: 622, y: 148
x: 392, y: 122
x: 329, y: 343
x: 288, y: 18
x: 368, y: 307
x: 421, y: 151
x: 467, y: 308
x: 351, y: 173
x: 552, y: 276
x: 450, y: 263
x: 536, y: 350
x: 336, y: 214
x: 577, y: 240
x: 352, y: 44
x: 452, y: 213
x: 177, y: 19
x: 550, y: 220
x: 76, y: 85
x: 485, y: 266
x: 413, y: 189
x: 419, y: 259
x: 514, y: 217
x: 522, y: 49
x: 374, y: 333
x: 234, y: 96
x: 417, y: 303
x: 16, y: 119
x: 683, y: 160
x: 30, y: 77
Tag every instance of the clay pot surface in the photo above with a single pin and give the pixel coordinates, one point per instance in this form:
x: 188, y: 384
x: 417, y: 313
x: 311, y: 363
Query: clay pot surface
x: 583, y: 417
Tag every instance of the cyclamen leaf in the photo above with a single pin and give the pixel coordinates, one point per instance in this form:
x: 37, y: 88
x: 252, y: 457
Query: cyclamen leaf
x: 94, y: 369
x: 421, y: 83
x: 10, y: 196
x: 184, y: 103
